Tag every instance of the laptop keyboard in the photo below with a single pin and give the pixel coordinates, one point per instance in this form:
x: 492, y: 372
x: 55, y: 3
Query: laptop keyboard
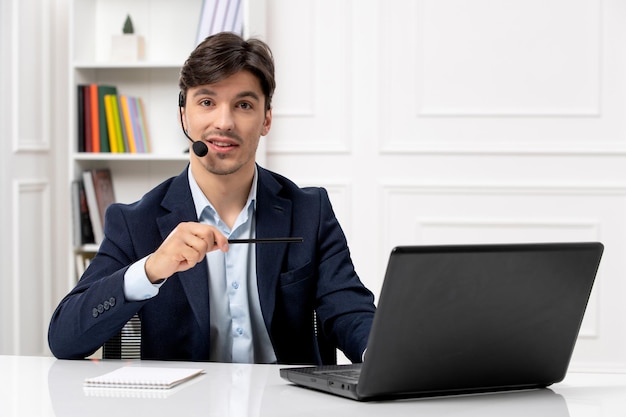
x: 350, y: 372
x: 346, y: 374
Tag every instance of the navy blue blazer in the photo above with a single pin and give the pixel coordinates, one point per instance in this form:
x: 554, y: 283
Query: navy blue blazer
x: 293, y: 280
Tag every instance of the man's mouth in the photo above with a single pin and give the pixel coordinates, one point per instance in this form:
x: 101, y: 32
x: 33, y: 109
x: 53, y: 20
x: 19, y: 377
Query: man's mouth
x: 222, y: 141
x: 222, y: 145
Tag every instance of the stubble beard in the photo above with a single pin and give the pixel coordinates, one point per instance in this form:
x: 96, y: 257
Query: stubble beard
x: 217, y: 165
x: 214, y: 164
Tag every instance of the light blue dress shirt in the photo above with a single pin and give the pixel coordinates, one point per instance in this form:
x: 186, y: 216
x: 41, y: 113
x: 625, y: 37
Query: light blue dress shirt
x: 238, y: 332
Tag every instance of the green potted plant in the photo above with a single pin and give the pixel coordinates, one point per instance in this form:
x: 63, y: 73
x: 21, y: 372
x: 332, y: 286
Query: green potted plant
x: 128, y: 28
x: 127, y: 46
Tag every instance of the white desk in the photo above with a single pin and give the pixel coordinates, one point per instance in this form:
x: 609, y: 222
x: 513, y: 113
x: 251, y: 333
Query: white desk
x: 40, y: 386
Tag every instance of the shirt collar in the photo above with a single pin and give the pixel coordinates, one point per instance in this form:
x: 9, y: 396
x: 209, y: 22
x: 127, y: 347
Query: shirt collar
x: 200, y: 201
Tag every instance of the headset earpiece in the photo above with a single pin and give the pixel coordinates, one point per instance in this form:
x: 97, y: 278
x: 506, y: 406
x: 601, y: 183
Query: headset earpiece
x: 199, y: 147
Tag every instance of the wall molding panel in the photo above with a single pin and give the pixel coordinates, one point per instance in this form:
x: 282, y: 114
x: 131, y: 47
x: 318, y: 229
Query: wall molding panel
x: 490, y: 213
x: 473, y: 80
x: 551, y: 206
x: 312, y: 102
x: 507, y: 71
x: 28, y: 183
x: 32, y: 278
x: 31, y: 122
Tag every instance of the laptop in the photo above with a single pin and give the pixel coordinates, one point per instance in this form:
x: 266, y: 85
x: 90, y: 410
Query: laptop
x: 464, y: 319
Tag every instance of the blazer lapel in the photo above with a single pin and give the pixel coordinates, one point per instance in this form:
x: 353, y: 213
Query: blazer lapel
x: 179, y: 202
x: 273, y: 219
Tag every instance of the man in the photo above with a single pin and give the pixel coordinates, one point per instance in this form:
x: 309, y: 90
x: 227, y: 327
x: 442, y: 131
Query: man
x: 167, y: 256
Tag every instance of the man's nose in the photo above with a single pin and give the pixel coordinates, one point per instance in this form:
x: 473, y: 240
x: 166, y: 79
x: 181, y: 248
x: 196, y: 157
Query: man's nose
x: 224, y: 118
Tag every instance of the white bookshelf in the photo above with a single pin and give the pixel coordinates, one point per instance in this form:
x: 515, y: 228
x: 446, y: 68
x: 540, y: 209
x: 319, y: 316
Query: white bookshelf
x: 169, y: 30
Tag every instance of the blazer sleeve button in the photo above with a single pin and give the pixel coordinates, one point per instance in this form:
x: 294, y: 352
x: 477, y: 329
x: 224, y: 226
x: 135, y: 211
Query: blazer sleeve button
x: 94, y: 312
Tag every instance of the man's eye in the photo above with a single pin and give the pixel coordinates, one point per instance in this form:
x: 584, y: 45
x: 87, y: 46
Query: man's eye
x: 206, y: 102
x: 245, y: 105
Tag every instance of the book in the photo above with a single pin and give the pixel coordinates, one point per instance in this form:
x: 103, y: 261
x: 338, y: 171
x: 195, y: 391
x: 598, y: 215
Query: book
x: 234, y: 18
x: 103, y: 185
x: 100, y: 195
x: 205, y: 23
x: 87, y: 119
x: 83, y: 231
x: 219, y: 16
x: 111, y: 130
x: 104, y: 90
x: 135, y: 123
x: 90, y: 195
x: 115, y: 113
x: 110, y: 122
x: 143, y: 125
x: 80, y: 109
x: 143, y: 377
x: 94, y: 115
x: 128, y: 123
x: 124, y: 145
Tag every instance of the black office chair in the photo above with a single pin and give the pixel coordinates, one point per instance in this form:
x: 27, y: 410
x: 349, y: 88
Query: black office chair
x: 127, y: 343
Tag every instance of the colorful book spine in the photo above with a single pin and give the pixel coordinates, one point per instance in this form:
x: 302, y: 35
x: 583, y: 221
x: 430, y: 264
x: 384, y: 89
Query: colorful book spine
x: 143, y: 125
x: 119, y: 138
x: 94, y: 113
x: 110, y: 122
x: 125, y: 145
x: 134, y: 117
x: 100, y: 195
x: 112, y: 132
x: 104, y: 90
x: 128, y: 124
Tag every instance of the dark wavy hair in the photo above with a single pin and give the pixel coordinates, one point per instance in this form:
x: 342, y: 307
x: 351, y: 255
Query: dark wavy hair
x: 224, y: 54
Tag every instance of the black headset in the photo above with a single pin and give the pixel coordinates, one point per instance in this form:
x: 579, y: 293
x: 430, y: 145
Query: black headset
x: 199, y: 148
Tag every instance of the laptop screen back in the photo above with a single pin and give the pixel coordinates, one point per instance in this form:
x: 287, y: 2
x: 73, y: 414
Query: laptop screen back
x: 472, y: 318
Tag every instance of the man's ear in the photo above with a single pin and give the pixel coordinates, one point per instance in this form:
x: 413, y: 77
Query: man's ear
x: 267, y: 123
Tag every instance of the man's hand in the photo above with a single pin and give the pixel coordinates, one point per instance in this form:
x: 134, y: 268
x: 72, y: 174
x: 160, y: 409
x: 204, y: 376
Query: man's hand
x: 184, y: 248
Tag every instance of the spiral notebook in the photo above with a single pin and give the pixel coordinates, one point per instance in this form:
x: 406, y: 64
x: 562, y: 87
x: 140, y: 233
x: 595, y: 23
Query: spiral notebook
x: 141, y: 377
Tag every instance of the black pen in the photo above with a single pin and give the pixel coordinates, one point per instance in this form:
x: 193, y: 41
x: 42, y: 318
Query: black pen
x: 269, y: 240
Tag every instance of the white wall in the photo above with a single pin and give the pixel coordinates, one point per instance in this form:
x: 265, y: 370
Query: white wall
x: 428, y: 121
x: 462, y: 121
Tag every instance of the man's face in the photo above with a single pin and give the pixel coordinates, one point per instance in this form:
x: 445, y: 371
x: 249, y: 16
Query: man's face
x: 229, y: 117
